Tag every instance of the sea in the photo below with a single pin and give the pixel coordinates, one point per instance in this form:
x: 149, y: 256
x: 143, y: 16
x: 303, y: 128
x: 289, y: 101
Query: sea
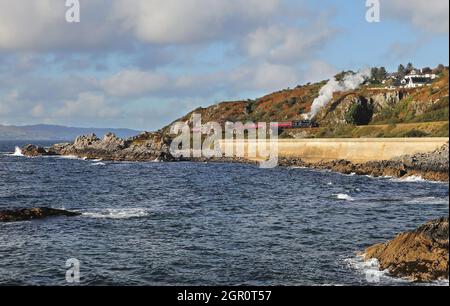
x: 186, y: 223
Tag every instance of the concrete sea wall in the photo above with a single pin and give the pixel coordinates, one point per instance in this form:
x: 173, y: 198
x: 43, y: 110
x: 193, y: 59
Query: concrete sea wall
x: 356, y: 150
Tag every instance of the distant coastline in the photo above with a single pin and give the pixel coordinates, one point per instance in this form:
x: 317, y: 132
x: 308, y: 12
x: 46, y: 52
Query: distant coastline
x: 47, y: 132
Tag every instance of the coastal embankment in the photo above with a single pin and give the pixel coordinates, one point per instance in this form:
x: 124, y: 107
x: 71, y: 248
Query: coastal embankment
x: 355, y: 150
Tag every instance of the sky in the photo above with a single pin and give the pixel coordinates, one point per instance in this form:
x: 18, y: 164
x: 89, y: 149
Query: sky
x: 143, y: 63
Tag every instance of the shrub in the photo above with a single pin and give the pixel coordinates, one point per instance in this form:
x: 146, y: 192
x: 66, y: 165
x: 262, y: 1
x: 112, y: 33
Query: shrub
x: 415, y: 133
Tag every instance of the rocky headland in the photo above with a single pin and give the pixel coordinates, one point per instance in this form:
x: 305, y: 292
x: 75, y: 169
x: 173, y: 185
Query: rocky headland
x: 143, y: 147
x: 420, y: 255
x: 26, y: 214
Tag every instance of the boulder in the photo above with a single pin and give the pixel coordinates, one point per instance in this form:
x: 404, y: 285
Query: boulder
x: 33, y: 213
x: 420, y: 255
x: 32, y: 150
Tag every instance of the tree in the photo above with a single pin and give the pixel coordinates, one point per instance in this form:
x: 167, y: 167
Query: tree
x: 409, y: 68
x: 378, y: 74
x: 427, y: 70
x: 401, y: 71
x: 382, y: 73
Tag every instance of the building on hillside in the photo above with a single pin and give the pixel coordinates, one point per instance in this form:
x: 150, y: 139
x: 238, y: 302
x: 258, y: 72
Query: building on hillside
x: 417, y: 79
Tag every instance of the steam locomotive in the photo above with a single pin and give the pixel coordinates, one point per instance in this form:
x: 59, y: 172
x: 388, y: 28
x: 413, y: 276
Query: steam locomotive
x: 298, y: 124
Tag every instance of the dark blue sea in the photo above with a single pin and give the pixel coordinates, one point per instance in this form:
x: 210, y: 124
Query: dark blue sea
x: 202, y: 223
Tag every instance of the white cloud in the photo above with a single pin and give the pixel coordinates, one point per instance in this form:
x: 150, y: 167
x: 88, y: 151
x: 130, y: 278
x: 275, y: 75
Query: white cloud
x: 429, y: 15
x: 280, y: 43
x: 134, y: 83
x: 41, y: 25
x: 190, y: 21
x: 87, y: 105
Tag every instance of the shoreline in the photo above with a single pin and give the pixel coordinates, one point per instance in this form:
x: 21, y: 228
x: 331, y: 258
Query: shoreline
x: 151, y: 147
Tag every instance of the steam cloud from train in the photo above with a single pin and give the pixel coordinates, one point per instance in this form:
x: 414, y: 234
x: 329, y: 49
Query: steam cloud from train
x: 350, y: 81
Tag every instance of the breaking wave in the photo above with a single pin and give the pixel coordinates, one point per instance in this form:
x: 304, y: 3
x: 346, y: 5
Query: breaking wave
x: 343, y: 196
x: 98, y: 164
x: 113, y: 213
x: 17, y: 153
x: 370, y: 269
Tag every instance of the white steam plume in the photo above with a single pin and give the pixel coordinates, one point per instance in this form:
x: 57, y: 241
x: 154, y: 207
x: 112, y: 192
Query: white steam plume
x: 351, y: 81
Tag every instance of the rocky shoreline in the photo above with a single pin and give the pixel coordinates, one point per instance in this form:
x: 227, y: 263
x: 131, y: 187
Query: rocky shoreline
x: 433, y: 166
x: 155, y: 146
x: 420, y: 255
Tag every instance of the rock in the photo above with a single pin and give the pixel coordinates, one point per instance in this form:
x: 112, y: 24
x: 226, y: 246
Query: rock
x: 33, y: 213
x: 144, y: 147
x: 85, y: 141
x: 32, y: 151
x: 420, y: 255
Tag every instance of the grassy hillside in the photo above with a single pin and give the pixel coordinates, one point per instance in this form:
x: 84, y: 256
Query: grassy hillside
x: 386, y: 110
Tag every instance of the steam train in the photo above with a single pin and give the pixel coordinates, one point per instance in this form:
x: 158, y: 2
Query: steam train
x: 297, y: 124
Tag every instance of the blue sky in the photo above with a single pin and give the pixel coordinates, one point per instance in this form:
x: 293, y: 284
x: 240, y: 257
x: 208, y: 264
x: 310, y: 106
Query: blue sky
x: 143, y: 63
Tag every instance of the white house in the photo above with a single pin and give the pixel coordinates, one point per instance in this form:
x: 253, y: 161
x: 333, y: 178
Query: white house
x: 417, y: 79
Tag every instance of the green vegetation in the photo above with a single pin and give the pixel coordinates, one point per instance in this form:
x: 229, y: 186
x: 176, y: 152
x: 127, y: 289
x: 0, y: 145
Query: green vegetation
x: 423, y: 129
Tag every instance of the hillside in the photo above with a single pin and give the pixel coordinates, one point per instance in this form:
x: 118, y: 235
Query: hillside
x: 55, y: 132
x: 372, y: 104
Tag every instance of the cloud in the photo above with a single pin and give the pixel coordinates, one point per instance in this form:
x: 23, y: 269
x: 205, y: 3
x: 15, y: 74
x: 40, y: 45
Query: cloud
x: 281, y: 43
x: 431, y: 15
x: 130, y: 83
x: 190, y: 21
x: 87, y: 105
x: 41, y: 26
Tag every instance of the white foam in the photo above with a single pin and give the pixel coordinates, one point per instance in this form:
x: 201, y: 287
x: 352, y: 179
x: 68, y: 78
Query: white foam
x: 415, y: 179
x: 370, y: 269
x: 98, y: 164
x: 343, y: 196
x: 69, y: 157
x: 17, y: 152
x: 113, y: 213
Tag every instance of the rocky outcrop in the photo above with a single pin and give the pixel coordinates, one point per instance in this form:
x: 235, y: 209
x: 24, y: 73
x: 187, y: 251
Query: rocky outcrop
x: 420, y: 255
x: 33, y: 214
x: 32, y: 151
x: 144, y: 147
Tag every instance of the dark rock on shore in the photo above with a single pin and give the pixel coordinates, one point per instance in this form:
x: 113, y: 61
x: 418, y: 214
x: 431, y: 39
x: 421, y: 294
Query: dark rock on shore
x: 420, y: 255
x: 32, y: 151
x: 34, y: 213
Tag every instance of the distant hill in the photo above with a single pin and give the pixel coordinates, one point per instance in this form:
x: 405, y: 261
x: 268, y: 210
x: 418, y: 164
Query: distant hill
x: 56, y: 132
